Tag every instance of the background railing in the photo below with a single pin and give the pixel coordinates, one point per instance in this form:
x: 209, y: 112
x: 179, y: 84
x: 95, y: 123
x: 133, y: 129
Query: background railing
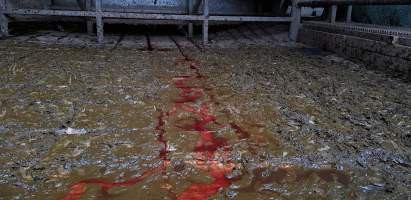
x: 98, y: 14
x: 333, y: 6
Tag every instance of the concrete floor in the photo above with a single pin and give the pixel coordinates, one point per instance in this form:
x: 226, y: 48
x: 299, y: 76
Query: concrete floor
x: 260, y: 118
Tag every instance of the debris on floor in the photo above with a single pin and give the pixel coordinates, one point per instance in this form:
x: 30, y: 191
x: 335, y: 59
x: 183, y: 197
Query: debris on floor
x: 257, y: 122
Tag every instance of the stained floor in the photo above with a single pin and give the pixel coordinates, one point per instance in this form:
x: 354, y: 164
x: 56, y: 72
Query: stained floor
x: 246, y: 122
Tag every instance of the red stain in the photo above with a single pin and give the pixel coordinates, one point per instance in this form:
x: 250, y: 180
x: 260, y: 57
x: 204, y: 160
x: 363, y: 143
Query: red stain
x: 208, y: 143
x: 161, y: 131
x: 204, y: 191
x: 78, y: 189
x: 242, y: 134
x: 206, y: 146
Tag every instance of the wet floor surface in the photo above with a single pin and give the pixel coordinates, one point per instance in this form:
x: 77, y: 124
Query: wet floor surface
x: 245, y: 123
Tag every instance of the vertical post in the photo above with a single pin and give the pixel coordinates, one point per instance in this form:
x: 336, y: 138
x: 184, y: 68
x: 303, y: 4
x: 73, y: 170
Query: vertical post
x: 333, y: 13
x: 99, y: 22
x: 280, y: 7
x: 295, y: 21
x: 4, y: 21
x: 349, y: 14
x: 89, y: 23
x: 205, y: 22
x: 190, y: 12
x: 44, y: 4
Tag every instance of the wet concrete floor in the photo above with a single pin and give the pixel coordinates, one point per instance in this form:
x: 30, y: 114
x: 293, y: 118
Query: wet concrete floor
x: 244, y: 123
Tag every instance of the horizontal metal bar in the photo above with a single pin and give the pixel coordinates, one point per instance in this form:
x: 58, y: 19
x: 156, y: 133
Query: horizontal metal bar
x: 250, y: 19
x: 343, y: 31
x: 152, y: 16
x: 360, y: 27
x: 105, y: 14
x: 51, y: 12
x: 320, y: 3
x: 130, y: 15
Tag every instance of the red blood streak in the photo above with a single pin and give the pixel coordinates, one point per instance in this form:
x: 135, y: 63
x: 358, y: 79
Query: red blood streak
x: 160, y: 129
x: 78, y: 189
x: 242, y: 134
x: 207, y: 145
x: 204, y: 191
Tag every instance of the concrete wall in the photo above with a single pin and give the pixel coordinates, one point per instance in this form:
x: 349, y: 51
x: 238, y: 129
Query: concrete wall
x: 382, y: 53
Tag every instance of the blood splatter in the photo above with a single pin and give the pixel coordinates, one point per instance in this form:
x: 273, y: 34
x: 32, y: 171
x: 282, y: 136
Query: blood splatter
x: 78, y: 189
x: 192, y: 90
x: 206, y: 146
x: 242, y: 134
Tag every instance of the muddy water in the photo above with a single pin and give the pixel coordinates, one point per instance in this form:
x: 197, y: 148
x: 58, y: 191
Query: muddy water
x: 166, y: 125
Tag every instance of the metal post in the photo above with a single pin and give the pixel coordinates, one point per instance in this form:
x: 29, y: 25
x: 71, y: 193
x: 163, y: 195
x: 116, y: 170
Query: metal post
x: 295, y: 21
x: 89, y: 23
x: 4, y: 21
x: 205, y: 22
x: 349, y: 14
x: 99, y: 22
x: 280, y: 7
x: 333, y: 13
x: 45, y: 4
x: 324, y: 3
x: 190, y: 12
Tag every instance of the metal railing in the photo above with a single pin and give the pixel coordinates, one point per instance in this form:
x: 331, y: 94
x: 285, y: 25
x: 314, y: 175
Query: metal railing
x: 99, y: 15
x: 333, y: 8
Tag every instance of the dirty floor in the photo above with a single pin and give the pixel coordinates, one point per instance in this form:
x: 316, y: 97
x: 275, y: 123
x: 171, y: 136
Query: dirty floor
x: 258, y: 122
